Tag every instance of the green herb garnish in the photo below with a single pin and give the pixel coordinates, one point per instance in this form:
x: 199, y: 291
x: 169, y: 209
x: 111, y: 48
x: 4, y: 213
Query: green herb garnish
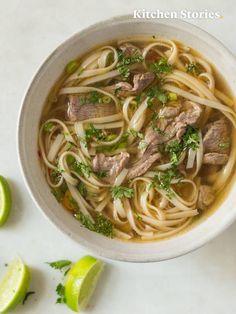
x: 156, y: 93
x: 161, y: 67
x: 101, y: 225
x: 82, y: 169
x: 174, y: 148
x: 124, y: 62
x: 101, y: 174
x: 192, y: 68
x: 162, y: 180
x: 135, y: 133
x: 61, y: 264
x: 92, y: 132
x: 224, y: 145
x: 121, y: 191
x: 191, y: 138
x: 60, y: 289
x: 82, y: 189
x: 48, y: 126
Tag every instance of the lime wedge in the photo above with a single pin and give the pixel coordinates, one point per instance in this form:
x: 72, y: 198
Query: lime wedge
x: 5, y: 200
x: 14, y: 285
x: 81, y: 281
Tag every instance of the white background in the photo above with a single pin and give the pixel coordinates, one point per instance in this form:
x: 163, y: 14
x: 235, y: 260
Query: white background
x: 201, y: 282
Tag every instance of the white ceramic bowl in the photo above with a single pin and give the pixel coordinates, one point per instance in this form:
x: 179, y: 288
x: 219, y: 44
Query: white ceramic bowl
x: 46, y: 76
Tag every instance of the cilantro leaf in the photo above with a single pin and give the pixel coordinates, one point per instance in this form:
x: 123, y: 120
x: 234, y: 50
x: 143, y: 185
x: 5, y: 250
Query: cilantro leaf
x: 60, y: 264
x: 161, y: 67
x: 121, y: 191
x: 82, y: 169
x: 60, y: 289
x: 101, y: 225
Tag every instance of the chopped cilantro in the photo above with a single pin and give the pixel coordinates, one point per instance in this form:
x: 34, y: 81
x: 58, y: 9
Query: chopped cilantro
x: 192, y: 68
x: 101, y: 174
x: 48, y: 126
x: 224, y: 145
x: 82, y: 189
x: 82, y: 169
x: 162, y: 180
x: 121, y: 191
x: 161, y: 67
x: 135, y: 133
x: 60, y: 289
x: 101, y: 225
x: 157, y: 93
x: 124, y: 62
x: 174, y: 148
x: 191, y: 138
x: 93, y: 97
x: 92, y: 132
x: 61, y: 264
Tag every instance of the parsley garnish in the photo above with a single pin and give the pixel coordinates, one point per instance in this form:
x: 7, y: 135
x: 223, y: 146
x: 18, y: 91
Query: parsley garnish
x: 121, y: 191
x: 162, y: 180
x: 93, y: 132
x: 93, y: 97
x: 161, y: 67
x: 48, y: 126
x: 157, y: 93
x: 135, y: 133
x: 224, y: 145
x: 82, y: 169
x: 60, y: 289
x: 61, y: 264
x: 124, y: 62
x: 191, y: 138
x: 101, y: 225
x: 192, y: 68
x: 82, y: 189
x: 174, y: 148
x: 101, y: 174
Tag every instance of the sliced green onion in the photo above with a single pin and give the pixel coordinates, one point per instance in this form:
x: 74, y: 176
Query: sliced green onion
x: 72, y: 66
x: 106, y: 99
x: 172, y: 96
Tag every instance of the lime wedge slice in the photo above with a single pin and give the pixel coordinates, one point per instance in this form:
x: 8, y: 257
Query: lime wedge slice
x: 5, y: 200
x: 14, y: 285
x: 81, y: 281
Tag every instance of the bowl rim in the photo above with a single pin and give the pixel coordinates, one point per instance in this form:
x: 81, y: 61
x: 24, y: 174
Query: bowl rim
x: 24, y: 171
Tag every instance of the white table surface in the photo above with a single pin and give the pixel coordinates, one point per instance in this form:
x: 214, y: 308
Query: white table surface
x: 200, y: 282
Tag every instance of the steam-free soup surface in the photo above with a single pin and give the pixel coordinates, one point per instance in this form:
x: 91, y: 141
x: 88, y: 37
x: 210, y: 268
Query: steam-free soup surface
x: 137, y: 138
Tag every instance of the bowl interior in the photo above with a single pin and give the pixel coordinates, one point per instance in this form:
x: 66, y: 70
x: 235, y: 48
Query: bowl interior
x: 28, y: 132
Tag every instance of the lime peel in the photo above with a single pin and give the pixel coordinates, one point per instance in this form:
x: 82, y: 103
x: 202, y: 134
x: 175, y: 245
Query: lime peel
x: 81, y: 282
x: 5, y: 200
x: 14, y: 285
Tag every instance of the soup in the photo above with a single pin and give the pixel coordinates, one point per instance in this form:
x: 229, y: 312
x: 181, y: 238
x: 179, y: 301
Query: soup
x: 137, y: 138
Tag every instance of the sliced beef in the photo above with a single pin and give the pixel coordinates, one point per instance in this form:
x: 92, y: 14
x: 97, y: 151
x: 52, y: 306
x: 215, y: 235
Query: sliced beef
x: 217, y: 133
x: 114, y: 165
x: 173, y: 123
x: 185, y: 118
x: 129, y: 50
x: 215, y: 159
x: 79, y: 112
x: 206, y: 196
x: 143, y: 165
x: 169, y: 112
x: 140, y: 82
